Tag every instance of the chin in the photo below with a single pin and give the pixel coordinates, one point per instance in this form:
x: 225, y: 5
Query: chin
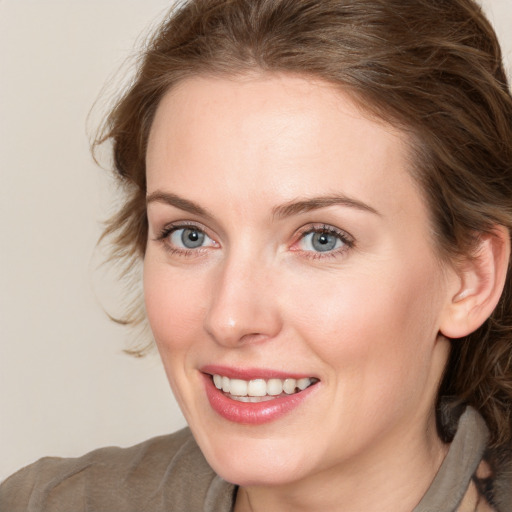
x: 262, y: 460
x: 256, y: 472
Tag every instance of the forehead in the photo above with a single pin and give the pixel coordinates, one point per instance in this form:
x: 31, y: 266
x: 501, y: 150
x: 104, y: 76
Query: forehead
x: 294, y: 135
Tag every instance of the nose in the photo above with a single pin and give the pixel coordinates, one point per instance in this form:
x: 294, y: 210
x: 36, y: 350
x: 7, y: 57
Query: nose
x: 243, y: 305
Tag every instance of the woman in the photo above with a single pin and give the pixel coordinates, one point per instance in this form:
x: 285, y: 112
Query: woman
x: 321, y: 194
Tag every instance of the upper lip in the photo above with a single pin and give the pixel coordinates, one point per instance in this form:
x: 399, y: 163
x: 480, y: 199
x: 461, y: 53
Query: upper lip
x: 234, y: 372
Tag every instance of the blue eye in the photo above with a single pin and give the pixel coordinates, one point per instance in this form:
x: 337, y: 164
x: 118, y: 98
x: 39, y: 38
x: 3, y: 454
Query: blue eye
x: 189, y: 238
x: 322, y: 241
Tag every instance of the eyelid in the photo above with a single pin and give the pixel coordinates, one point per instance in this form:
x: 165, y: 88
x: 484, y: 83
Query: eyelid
x: 325, y: 228
x: 169, y: 228
x: 175, y: 225
x: 347, y: 239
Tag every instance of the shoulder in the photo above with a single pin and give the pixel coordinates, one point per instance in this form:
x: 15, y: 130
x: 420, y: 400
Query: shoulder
x: 151, y: 475
x: 498, y: 484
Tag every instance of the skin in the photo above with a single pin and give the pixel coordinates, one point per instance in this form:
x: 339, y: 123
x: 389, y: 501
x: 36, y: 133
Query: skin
x: 363, y: 318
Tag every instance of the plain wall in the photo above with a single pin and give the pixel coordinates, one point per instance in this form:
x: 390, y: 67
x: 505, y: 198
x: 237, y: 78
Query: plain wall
x: 66, y: 387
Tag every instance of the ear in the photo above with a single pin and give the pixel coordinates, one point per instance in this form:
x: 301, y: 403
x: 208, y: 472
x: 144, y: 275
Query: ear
x: 478, y: 286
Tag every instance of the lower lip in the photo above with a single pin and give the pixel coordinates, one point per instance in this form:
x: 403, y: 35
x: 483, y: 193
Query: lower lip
x: 253, y: 413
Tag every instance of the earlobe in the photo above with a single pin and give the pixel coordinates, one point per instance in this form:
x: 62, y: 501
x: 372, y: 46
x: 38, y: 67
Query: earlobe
x: 480, y: 281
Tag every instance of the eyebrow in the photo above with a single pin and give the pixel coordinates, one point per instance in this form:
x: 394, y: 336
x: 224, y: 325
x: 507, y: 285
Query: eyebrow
x: 297, y: 207
x: 294, y: 207
x: 178, y: 202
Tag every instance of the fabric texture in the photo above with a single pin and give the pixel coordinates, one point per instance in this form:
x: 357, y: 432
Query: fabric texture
x: 163, y: 474
x: 170, y: 474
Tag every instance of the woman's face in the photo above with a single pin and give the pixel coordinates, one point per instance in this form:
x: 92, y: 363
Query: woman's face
x: 287, y: 240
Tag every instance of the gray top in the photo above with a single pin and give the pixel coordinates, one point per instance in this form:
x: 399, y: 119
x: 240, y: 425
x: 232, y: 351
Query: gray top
x: 169, y: 473
x: 449, y: 486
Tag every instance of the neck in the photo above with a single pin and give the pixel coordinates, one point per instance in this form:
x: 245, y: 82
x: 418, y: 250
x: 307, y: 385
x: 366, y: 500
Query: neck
x: 401, y: 464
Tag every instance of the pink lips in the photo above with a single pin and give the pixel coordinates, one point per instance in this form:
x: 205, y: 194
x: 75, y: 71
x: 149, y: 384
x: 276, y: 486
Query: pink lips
x: 246, y: 412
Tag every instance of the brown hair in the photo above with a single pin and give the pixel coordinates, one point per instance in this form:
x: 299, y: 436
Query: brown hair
x: 431, y: 67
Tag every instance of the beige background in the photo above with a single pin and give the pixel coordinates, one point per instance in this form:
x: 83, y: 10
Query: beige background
x: 65, y: 385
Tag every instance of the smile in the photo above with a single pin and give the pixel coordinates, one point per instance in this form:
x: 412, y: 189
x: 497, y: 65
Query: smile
x: 259, y: 390
x: 254, y: 397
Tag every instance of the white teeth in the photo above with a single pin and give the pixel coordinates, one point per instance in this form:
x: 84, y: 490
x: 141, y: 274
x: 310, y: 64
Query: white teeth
x: 260, y: 389
x: 289, y: 386
x: 217, y: 380
x: 257, y: 387
x: 253, y: 399
x: 226, y: 384
x: 237, y: 387
x: 274, y: 387
x: 302, y: 384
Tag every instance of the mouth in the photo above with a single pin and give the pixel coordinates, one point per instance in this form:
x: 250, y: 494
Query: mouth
x: 253, y: 397
x: 260, y: 390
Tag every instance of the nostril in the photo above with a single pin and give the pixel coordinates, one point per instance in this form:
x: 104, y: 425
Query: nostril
x: 241, y: 309
x: 250, y: 326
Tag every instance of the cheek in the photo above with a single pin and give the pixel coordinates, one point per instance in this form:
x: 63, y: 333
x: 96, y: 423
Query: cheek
x: 173, y: 306
x: 383, y: 321
x: 376, y: 335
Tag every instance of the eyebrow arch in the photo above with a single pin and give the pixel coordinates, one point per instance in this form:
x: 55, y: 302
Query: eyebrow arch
x: 294, y: 207
x: 178, y: 202
x: 306, y: 205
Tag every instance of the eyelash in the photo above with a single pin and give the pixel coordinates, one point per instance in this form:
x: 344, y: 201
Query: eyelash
x: 346, y: 239
x: 171, y: 228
